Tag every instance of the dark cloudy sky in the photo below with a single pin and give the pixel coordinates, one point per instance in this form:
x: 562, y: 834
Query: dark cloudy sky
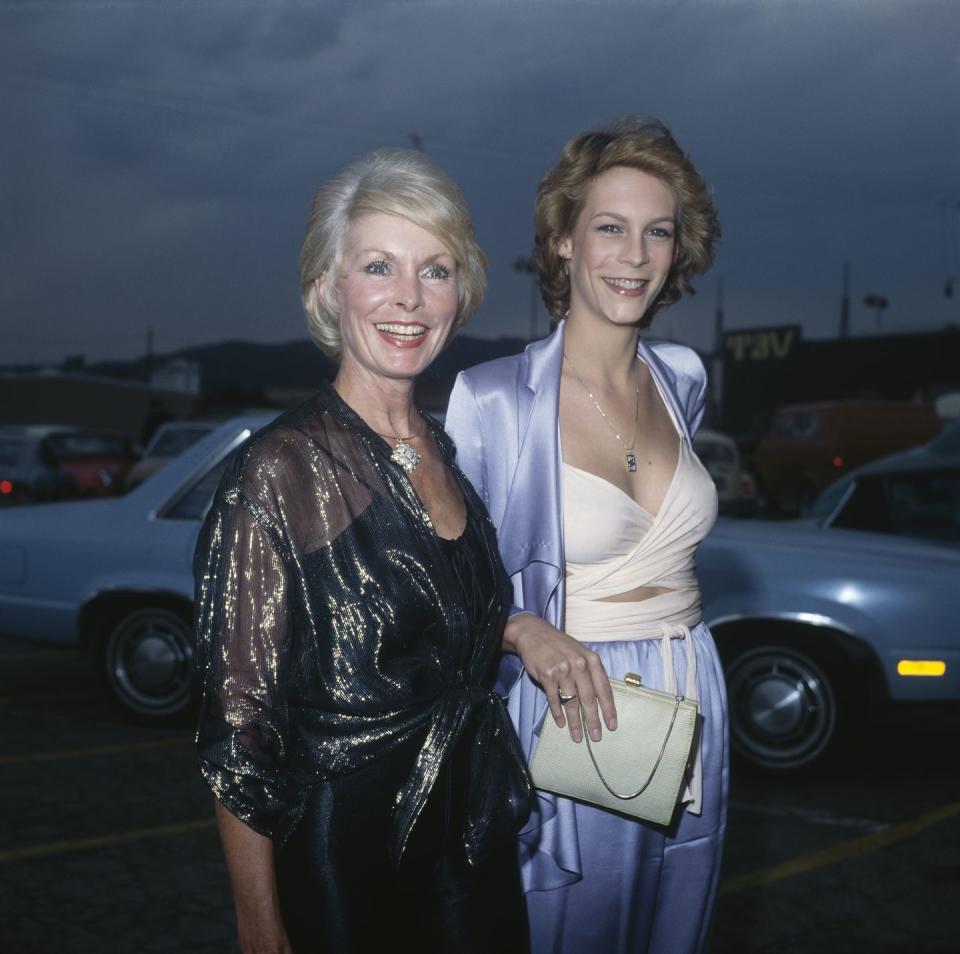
x: 157, y: 157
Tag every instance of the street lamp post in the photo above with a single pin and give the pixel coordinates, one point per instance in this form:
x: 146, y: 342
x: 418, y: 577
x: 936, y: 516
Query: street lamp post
x: 526, y: 265
x: 879, y: 302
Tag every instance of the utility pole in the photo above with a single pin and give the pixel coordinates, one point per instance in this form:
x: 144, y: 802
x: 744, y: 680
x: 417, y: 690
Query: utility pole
x: 845, y: 303
x: 148, y: 360
x: 950, y: 239
x: 716, y: 371
x: 718, y: 321
x: 879, y: 302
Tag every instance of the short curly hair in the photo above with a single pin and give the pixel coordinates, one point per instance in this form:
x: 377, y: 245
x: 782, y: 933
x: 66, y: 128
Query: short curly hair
x: 399, y: 182
x: 644, y: 144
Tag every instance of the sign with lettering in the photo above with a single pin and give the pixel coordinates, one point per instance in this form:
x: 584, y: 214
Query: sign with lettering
x: 762, y: 344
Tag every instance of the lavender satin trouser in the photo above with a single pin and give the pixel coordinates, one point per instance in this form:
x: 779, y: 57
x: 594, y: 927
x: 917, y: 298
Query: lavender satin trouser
x: 596, y: 880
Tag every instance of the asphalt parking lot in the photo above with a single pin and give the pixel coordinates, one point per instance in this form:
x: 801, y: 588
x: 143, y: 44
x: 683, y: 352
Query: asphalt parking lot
x: 107, y: 842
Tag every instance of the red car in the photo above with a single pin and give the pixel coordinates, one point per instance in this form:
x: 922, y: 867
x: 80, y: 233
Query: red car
x: 42, y: 462
x: 811, y: 445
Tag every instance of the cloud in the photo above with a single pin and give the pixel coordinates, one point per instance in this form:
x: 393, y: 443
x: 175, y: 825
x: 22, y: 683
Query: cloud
x: 159, y: 157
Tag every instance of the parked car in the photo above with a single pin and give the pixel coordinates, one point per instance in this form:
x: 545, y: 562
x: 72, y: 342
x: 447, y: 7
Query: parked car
x: 947, y: 441
x: 736, y: 490
x: 810, y: 445
x: 811, y: 621
x: 115, y: 575
x: 169, y: 440
x: 915, y: 494
x: 816, y: 625
x: 40, y: 462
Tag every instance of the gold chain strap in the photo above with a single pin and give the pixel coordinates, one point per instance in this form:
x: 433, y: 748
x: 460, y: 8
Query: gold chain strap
x: 653, y: 771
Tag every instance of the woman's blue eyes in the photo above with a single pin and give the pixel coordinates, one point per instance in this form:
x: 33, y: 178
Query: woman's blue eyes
x: 381, y: 268
x: 658, y: 231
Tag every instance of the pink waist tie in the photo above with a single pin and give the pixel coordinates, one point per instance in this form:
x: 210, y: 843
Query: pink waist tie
x: 692, y: 796
x: 668, y: 633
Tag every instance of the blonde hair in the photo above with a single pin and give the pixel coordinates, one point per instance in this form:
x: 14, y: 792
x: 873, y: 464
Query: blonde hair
x: 395, y: 182
x: 644, y: 144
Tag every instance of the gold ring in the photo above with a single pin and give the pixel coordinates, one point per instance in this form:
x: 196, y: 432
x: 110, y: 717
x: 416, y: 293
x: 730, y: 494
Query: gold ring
x: 564, y: 698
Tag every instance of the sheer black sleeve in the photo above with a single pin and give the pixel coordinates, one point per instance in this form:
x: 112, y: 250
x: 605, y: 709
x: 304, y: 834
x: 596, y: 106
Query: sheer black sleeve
x: 243, y: 636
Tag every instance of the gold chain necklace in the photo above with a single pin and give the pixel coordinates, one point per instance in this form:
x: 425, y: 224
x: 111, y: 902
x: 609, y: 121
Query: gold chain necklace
x: 629, y: 456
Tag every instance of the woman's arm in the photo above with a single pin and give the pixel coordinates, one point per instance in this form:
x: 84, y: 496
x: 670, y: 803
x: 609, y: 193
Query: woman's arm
x: 242, y: 640
x: 561, y: 664
x: 250, y: 865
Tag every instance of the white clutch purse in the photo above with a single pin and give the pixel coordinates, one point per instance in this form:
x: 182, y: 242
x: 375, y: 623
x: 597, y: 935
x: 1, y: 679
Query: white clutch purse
x: 637, y: 769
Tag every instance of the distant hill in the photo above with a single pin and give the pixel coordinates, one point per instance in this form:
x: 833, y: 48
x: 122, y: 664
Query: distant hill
x: 247, y: 366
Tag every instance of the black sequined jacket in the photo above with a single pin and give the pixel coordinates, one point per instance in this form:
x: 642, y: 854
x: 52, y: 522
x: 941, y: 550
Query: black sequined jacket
x: 330, y: 631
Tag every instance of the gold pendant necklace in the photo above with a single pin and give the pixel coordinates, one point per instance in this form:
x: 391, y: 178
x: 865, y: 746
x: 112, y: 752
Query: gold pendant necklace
x: 629, y: 457
x: 403, y: 454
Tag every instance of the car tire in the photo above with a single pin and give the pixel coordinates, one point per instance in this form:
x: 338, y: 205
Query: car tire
x: 145, y: 660
x: 783, y: 707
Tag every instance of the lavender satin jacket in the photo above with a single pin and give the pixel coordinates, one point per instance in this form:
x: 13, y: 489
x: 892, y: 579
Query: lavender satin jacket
x: 503, y: 416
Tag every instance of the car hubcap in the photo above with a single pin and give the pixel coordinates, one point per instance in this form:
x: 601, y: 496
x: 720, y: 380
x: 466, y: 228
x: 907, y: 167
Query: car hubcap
x: 148, y: 660
x: 782, y: 706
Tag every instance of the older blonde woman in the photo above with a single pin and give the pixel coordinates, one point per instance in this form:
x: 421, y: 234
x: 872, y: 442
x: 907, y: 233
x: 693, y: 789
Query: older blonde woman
x: 581, y: 449
x: 351, y: 604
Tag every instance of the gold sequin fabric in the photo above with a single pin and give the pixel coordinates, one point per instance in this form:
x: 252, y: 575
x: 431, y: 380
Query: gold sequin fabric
x: 332, y: 628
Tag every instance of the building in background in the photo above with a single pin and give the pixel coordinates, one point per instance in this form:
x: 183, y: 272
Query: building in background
x: 84, y: 400
x: 765, y: 368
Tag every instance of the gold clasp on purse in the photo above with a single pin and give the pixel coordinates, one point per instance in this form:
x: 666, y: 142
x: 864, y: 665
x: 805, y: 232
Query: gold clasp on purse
x: 632, y: 679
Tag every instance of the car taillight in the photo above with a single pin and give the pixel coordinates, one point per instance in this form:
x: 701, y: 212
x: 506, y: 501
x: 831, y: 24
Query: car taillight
x: 6, y: 487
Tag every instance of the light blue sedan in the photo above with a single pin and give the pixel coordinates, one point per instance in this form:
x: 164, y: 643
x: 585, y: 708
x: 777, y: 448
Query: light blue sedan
x: 814, y: 622
x: 115, y: 575
x: 818, y: 624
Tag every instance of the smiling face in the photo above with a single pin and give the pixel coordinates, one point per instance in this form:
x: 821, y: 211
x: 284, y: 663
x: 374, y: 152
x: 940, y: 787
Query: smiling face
x: 621, y: 248
x: 397, y: 295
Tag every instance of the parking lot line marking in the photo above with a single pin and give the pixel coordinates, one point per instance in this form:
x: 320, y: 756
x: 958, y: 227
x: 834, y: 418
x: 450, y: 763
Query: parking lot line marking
x: 97, y: 750
x: 103, y: 841
x: 812, y: 816
x: 854, y: 848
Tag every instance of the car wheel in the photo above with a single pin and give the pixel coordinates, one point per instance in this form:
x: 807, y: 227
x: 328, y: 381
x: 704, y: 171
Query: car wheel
x: 146, y: 659
x: 783, y: 707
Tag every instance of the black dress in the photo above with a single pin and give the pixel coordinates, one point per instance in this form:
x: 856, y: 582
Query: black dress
x: 345, y: 652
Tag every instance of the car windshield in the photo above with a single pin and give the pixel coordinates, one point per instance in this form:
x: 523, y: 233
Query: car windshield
x: 74, y: 446
x: 171, y: 442
x: 10, y: 452
x: 829, y: 500
x: 194, y: 502
x: 924, y: 504
x: 949, y: 440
